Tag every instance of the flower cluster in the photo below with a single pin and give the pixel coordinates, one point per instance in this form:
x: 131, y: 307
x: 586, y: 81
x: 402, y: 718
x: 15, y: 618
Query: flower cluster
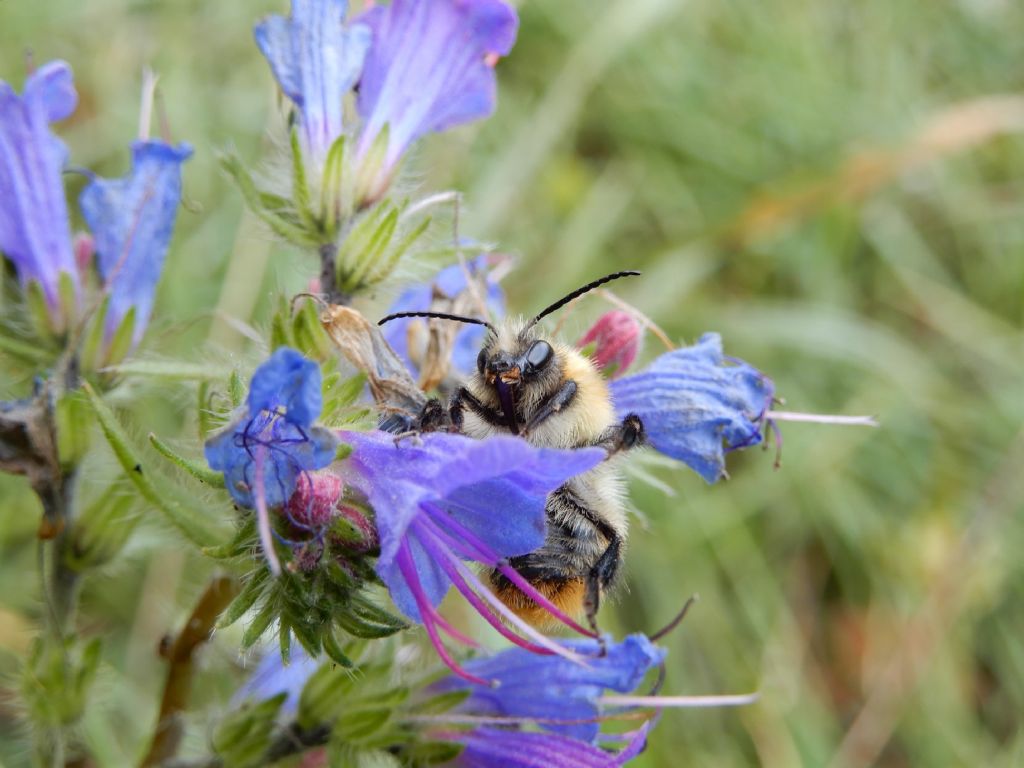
x: 132, y: 218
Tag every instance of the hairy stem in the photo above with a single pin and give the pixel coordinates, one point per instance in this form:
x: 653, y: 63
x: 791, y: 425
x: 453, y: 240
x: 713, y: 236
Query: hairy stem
x: 329, y: 276
x: 180, y: 653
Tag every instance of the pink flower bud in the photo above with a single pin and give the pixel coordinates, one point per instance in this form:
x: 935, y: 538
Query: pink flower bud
x: 85, y: 249
x: 314, y: 503
x: 615, y: 339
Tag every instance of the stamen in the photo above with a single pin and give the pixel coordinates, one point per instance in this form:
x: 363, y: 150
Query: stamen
x: 428, y: 613
x: 462, y: 577
x: 479, y: 551
x: 262, y: 513
x: 822, y: 418
x: 680, y: 702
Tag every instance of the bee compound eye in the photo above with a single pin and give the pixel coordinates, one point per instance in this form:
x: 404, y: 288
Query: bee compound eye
x: 539, y: 355
x: 481, y: 361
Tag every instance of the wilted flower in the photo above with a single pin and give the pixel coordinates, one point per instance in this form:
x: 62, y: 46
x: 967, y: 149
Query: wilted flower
x: 428, y: 70
x: 449, y: 499
x: 275, y: 432
x: 487, y: 747
x: 559, y: 694
x: 448, y: 284
x: 35, y: 232
x: 132, y: 220
x: 616, y: 339
x: 696, y: 405
x: 316, y: 60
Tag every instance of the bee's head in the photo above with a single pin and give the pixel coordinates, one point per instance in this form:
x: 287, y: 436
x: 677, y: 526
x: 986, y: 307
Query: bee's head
x: 515, y: 358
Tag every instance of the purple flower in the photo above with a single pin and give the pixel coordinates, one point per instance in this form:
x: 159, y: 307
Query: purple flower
x: 35, y: 232
x: 508, y: 748
x: 272, y: 677
x: 132, y: 220
x: 696, y: 405
x: 274, y: 439
x: 449, y: 499
x: 551, y: 688
x: 315, y: 60
x: 427, y: 68
x: 449, y: 283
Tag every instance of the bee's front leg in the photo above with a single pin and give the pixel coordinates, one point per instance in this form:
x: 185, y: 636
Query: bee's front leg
x: 562, y: 397
x: 462, y: 399
x: 433, y: 417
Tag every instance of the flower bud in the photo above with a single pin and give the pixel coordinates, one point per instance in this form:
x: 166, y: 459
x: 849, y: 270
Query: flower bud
x: 613, y: 341
x: 84, y: 248
x: 314, y: 503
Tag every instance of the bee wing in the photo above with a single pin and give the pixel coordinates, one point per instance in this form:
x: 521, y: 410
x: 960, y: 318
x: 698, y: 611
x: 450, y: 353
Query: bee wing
x: 361, y: 342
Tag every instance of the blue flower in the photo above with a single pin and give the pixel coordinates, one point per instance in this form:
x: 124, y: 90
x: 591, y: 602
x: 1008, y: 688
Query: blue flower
x: 696, y: 405
x: 489, y: 747
x: 449, y: 499
x: 275, y: 437
x: 315, y: 60
x: 555, y: 689
x: 427, y: 68
x: 35, y: 231
x: 272, y: 677
x: 450, y: 282
x: 132, y: 220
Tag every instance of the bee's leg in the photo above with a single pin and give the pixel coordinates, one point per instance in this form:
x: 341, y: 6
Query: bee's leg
x: 628, y: 434
x: 432, y: 418
x: 463, y: 398
x: 601, y: 575
x: 555, y: 403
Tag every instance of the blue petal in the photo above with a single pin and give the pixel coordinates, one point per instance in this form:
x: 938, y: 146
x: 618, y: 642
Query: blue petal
x: 431, y: 578
x: 425, y: 70
x: 132, y: 220
x: 505, y: 748
x: 35, y: 232
x: 315, y: 60
x: 551, y: 687
x: 272, y: 677
x: 696, y: 406
x: 290, y: 382
x: 469, y: 478
x: 450, y: 281
x: 288, y: 450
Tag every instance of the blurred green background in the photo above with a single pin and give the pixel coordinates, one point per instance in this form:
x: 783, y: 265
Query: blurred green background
x: 838, y: 188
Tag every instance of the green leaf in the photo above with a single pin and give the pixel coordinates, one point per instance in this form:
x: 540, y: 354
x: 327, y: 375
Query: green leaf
x: 387, y: 265
x: 373, y: 251
x: 260, y: 623
x: 121, y: 342
x: 103, y: 527
x: 201, y: 473
x: 364, y: 619
x: 196, y: 527
x: 243, y: 737
x: 442, y: 703
x: 300, y: 186
x: 92, y: 346
x: 324, y: 695
x: 74, y: 421
x: 68, y: 298
x: 236, y: 389
x: 33, y: 354
x: 334, y: 650
x: 168, y: 370
x: 368, y: 177
x: 245, y: 600
x: 332, y: 191
x: 281, y: 225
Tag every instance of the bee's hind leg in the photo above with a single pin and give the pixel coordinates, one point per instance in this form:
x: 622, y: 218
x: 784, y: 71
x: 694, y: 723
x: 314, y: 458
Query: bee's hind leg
x: 600, y: 576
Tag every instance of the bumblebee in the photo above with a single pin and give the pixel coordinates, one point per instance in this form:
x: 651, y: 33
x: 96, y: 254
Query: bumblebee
x: 553, y: 396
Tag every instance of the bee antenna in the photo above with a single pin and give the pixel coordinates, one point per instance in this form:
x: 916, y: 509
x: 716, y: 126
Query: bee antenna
x: 675, y: 621
x: 579, y: 292
x: 439, y: 316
